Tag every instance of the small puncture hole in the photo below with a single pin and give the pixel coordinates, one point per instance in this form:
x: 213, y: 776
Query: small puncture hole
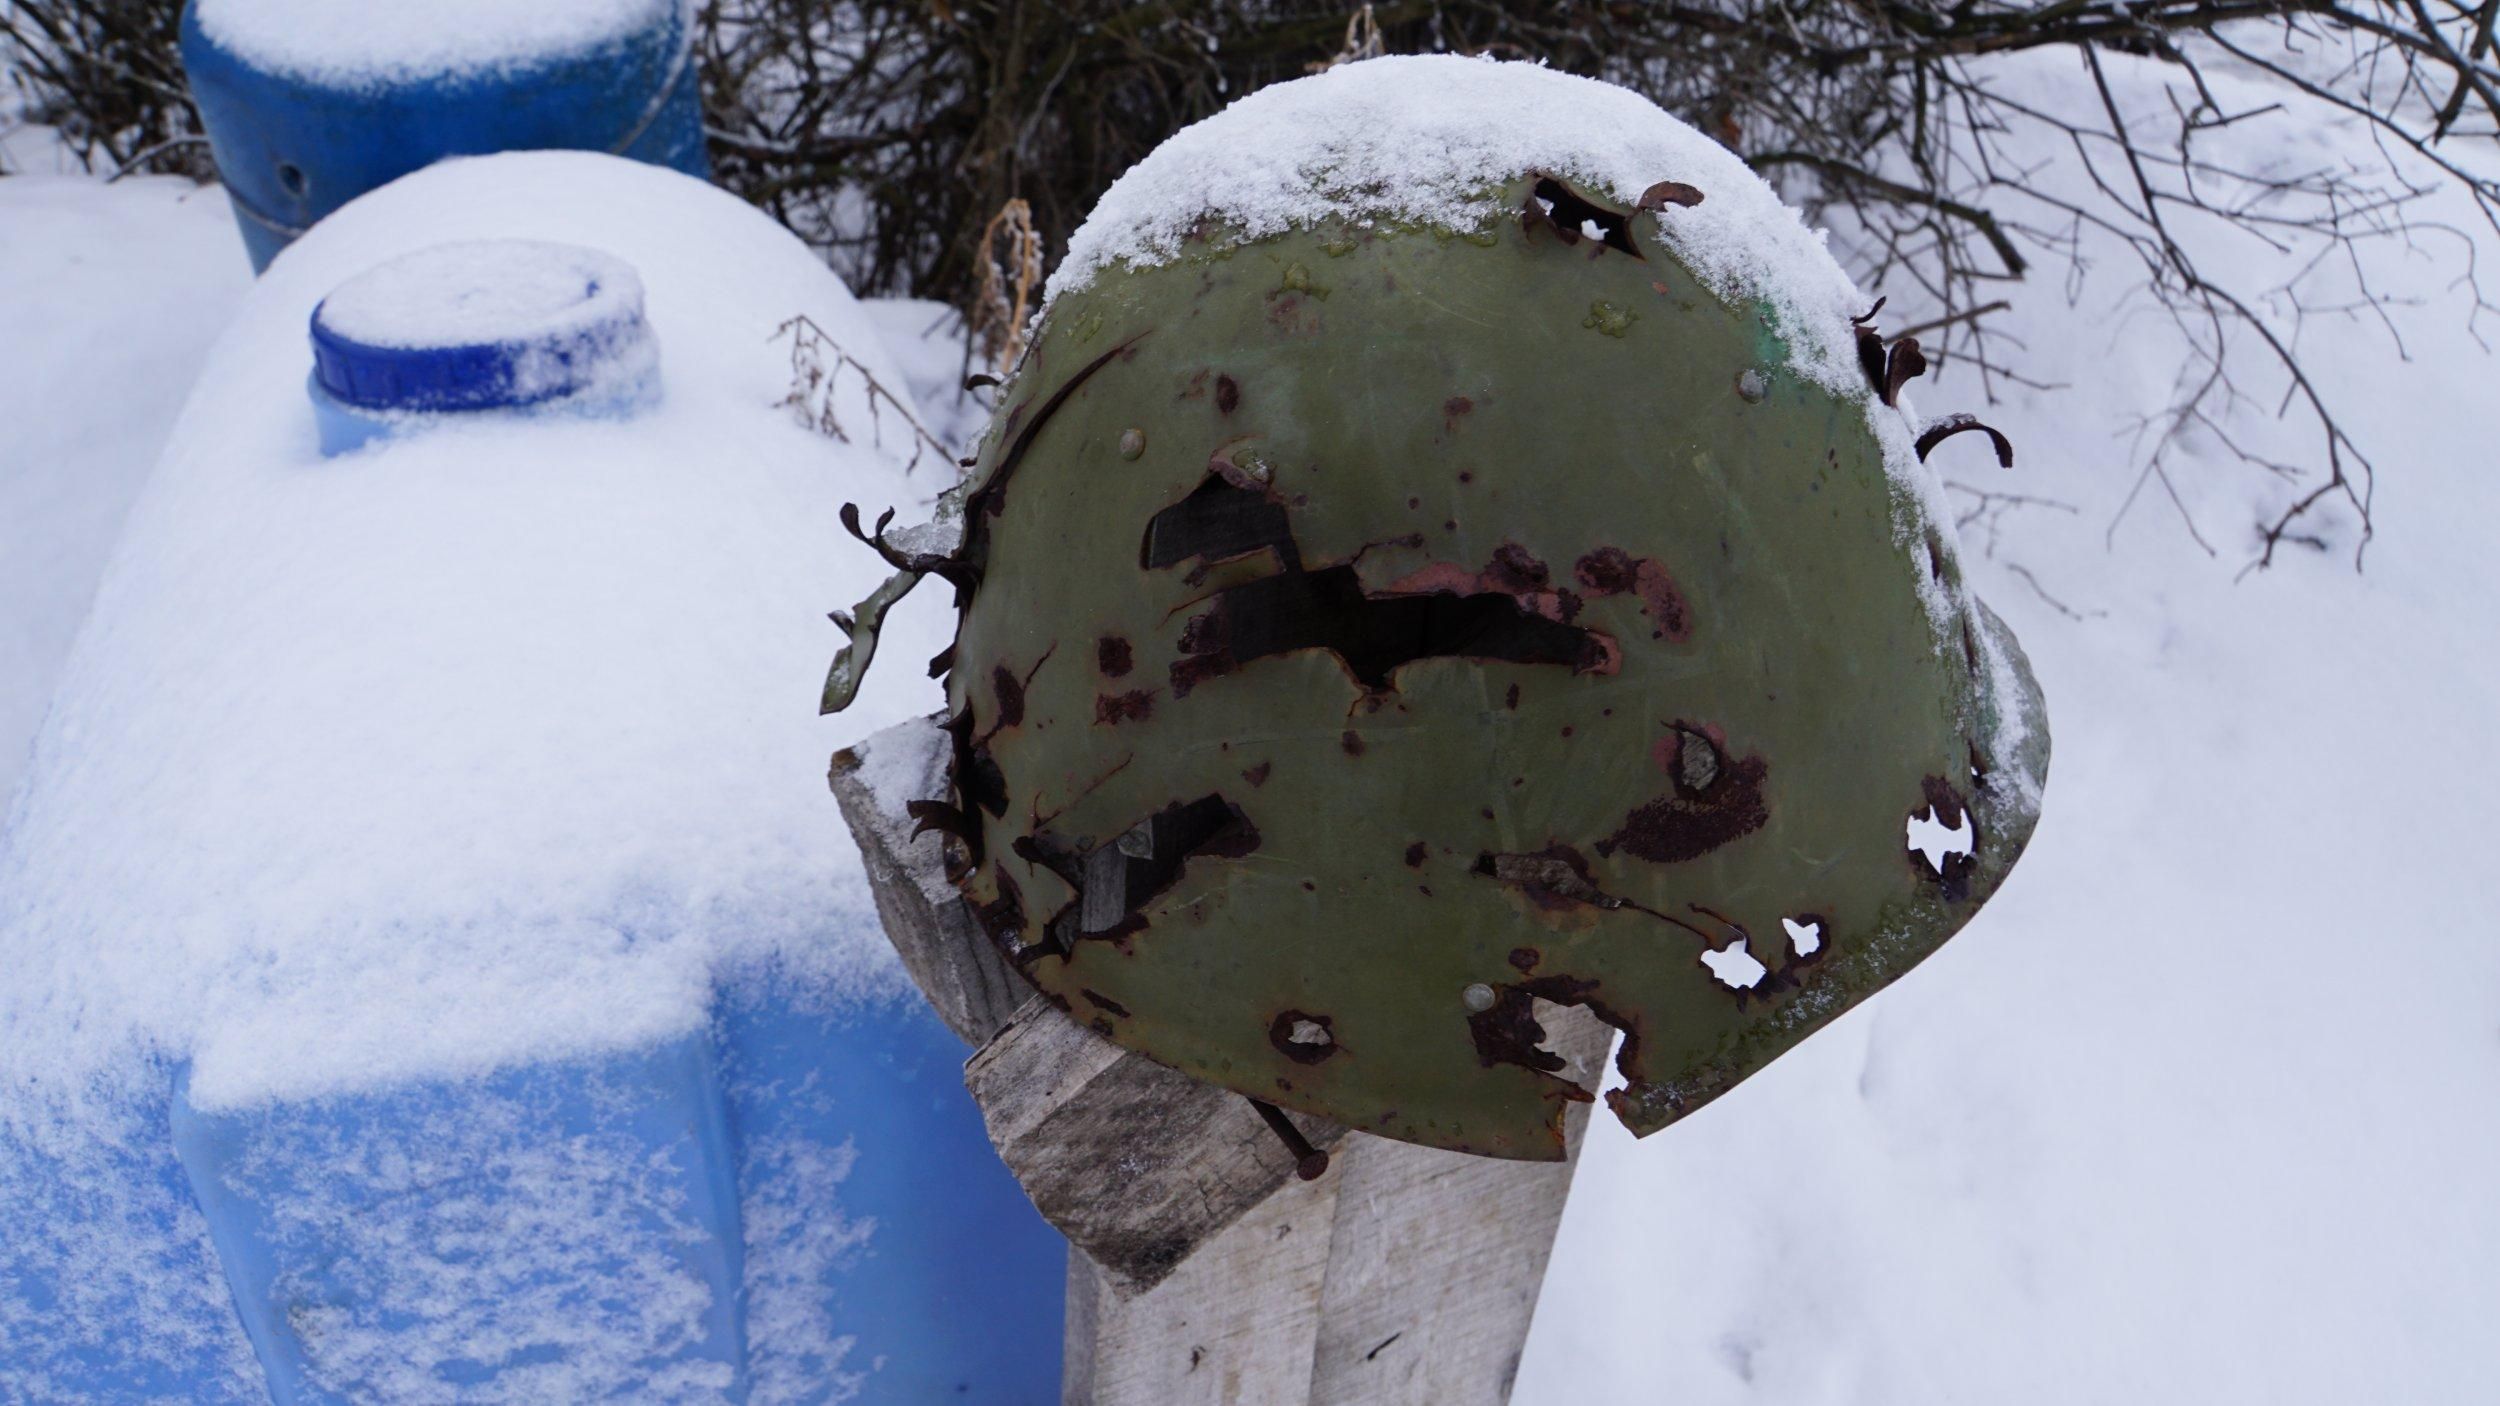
x: 1302, y: 1037
x: 1734, y: 966
x: 1936, y: 842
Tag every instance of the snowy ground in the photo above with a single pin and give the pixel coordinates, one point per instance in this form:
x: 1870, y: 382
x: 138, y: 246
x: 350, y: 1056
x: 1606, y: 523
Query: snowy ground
x: 109, y: 297
x: 2201, y: 1111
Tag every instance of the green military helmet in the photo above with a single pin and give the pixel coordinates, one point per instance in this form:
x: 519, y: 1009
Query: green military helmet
x: 1394, y: 599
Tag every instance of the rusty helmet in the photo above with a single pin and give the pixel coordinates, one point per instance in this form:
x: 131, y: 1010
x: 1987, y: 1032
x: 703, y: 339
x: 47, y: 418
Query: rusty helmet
x: 1375, y: 626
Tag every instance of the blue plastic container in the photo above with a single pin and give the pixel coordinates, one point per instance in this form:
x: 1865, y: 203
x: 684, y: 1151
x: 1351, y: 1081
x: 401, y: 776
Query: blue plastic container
x: 292, y: 147
x: 817, y: 1167
x: 794, y: 1200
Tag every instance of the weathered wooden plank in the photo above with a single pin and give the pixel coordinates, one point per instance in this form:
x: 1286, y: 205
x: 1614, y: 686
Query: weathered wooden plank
x: 1435, y: 1258
x: 1404, y: 1275
x: 968, y: 983
x: 1236, y: 1325
x: 1135, y: 1163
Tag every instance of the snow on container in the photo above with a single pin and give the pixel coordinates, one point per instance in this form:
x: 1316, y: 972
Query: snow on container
x: 437, y: 970
x: 311, y: 103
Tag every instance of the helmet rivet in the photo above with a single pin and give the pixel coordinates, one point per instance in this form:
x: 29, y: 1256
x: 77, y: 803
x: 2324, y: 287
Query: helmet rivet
x: 1132, y: 443
x: 1752, y: 386
x: 1478, y: 996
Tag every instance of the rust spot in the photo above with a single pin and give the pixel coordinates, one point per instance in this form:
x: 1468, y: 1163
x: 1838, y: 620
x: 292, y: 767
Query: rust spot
x: 1293, y: 314
x: 1948, y: 803
x: 1351, y: 741
x: 1227, y: 394
x: 1693, y: 819
x: 1510, y: 700
x: 1508, y: 1032
x: 1454, y: 408
x: 1257, y: 775
x: 1112, y: 709
x: 1606, y: 571
x: 1195, y: 388
x: 1556, y: 879
x: 1415, y: 855
x: 1666, y: 193
x: 1303, y: 1037
x: 1010, y: 691
x: 1113, y: 656
x: 1612, y: 571
x: 1515, y: 571
x: 1523, y: 958
x: 1103, y: 1002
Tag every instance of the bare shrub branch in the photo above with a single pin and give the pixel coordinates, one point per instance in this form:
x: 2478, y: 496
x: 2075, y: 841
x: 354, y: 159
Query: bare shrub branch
x: 817, y: 362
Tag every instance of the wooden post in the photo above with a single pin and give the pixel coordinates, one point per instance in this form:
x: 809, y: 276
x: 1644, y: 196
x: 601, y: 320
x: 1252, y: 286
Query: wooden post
x: 1205, y: 1270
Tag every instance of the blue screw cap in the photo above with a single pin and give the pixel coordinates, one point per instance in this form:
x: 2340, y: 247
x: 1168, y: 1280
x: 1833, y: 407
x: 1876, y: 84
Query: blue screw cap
x: 481, y: 325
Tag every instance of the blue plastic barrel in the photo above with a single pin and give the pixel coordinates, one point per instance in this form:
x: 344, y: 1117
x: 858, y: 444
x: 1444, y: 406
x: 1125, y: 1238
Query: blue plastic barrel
x: 296, y: 137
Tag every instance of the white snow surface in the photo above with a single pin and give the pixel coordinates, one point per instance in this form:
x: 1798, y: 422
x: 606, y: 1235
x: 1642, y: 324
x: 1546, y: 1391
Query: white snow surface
x: 1431, y: 139
x: 345, y: 44
x: 109, y: 297
x: 474, y: 292
x: 493, y: 744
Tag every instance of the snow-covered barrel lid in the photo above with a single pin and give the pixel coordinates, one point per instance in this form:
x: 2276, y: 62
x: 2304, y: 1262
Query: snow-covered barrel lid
x: 485, y: 324
x: 347, y: 46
